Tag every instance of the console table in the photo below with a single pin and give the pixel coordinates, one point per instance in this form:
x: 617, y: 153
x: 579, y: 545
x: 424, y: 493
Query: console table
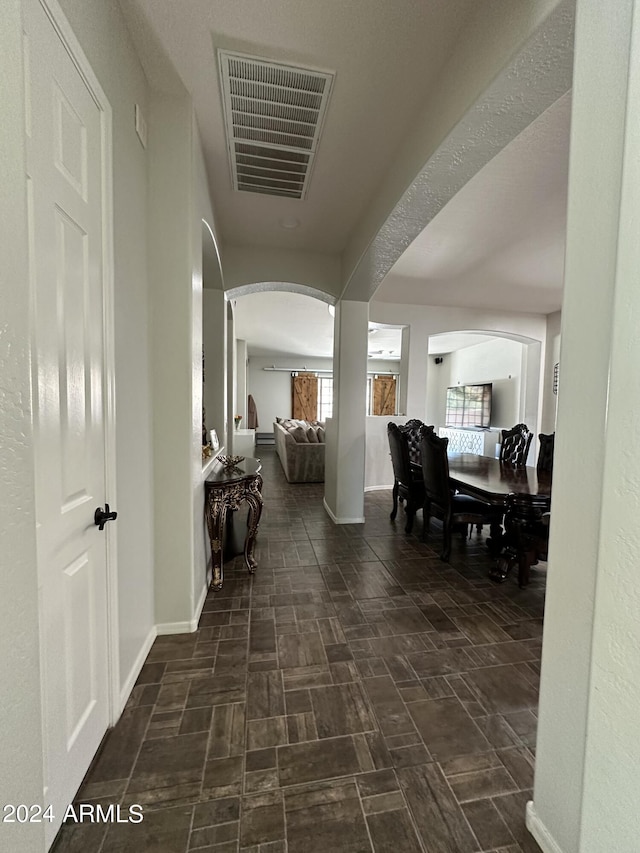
x: 228, y: 489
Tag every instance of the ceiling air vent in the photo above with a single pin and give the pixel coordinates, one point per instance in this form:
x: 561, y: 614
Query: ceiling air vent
x: 273, y: 117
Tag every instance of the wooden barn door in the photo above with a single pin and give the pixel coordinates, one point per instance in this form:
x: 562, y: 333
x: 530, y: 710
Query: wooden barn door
x: 384, y: 395
x: 304, y: 396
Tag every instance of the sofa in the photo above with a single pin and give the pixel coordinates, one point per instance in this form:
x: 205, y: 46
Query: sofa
x: 300, y: 446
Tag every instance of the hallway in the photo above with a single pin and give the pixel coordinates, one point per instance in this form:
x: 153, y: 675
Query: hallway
x: 357, y: 694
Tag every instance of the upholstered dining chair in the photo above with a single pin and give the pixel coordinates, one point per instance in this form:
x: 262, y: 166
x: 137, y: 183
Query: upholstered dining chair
x: 412, y: 431
x: 439, y: 497
x: 545, y: 453
x: 408, y: 484
x: 515, y: 445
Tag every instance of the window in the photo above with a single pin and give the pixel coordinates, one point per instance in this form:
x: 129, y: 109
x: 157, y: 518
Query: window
x: 325, y: 397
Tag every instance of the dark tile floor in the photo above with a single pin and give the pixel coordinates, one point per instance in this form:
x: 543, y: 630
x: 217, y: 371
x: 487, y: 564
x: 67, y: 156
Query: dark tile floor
x: 356, y: 694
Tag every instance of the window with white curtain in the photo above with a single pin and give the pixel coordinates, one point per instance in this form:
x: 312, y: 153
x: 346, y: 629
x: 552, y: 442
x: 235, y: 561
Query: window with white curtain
x: 325, y: 397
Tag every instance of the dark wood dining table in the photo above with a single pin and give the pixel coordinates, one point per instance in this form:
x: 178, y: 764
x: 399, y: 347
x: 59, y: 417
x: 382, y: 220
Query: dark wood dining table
x: 525, y: 493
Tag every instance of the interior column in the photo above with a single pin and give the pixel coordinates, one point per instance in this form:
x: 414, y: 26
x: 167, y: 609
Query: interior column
x: 215, y: 358
x: 345, y: 434
x: 588, y: 752
x: 241, y: 374
x: 231, y: 377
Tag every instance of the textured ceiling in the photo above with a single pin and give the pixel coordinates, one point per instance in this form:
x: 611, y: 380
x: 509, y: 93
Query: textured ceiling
x: 493, y: 194
x: 385, y: 64
x: 501, y: 238
x: 289, y: 324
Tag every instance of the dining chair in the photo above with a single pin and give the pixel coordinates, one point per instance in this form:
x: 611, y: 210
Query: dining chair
x: 412, y: 431
x: 515, y: 445
x: 408, y: 484
x: 439, y: 497
x: 545, y: 454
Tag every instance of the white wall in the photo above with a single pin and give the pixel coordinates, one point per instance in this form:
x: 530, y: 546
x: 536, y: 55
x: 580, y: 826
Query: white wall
x: 171, y: 269
x: 102, y: 33
x: 425, y: 321
x: 21, y: 770
x: 272, y: 389
x: 498, y: 361
x: 249, y: 264
x: 201, y: 208
x: 378, y: 470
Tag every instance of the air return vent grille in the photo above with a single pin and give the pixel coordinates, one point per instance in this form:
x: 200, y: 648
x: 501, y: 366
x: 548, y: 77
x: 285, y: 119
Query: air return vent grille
x: 273, y: 117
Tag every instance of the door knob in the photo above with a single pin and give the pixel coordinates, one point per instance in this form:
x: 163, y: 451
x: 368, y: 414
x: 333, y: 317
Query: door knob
x: 101, y: 516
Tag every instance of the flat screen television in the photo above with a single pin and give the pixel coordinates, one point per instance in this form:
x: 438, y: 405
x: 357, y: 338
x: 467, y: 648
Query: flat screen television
x: 469, y: 406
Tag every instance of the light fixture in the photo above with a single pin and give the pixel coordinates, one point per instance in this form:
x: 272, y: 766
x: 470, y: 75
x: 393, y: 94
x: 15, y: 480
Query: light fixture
x: 289, y: 223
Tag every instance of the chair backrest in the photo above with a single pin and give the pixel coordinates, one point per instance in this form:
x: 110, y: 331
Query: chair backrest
x: 435, y: 468
x: 545, y: 454
x: 412, y: 432
x: 515, y: 445
x: 399, y: 448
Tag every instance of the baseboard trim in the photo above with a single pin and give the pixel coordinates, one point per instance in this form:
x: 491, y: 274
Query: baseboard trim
x: 200, y: 604
x: 337, y: 520
x: 536, y: 827
x: 176, y: 628
x: 134, y: 672
x: 379, y: 488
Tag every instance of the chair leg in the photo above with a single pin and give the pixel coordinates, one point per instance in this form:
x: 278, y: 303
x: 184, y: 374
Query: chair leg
x: 411, y: 511
x: 446, y: 544
x: 394, y: 511
x: 426, y: 519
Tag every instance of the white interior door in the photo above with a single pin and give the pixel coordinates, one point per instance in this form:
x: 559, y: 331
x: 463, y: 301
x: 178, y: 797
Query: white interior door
x: 65, y: 162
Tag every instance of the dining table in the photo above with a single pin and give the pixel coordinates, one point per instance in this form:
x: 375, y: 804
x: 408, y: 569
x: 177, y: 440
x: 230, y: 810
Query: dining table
x: 525, y: 494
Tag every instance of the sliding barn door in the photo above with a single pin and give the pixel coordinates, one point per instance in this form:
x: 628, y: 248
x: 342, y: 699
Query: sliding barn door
x: 304, y: 397
x: 384, y: 395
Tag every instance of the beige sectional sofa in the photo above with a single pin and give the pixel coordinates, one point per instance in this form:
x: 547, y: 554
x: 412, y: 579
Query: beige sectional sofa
x: 300, y: 446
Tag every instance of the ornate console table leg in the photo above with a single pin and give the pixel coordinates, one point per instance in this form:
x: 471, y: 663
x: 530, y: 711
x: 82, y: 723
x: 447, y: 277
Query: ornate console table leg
x: 254, y: 499
x: 216, y: 513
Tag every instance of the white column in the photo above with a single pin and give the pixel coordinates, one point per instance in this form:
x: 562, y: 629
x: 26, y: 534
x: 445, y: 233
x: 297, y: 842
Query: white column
x: 241, y: 381
x: 588, y: 754
x: 345, y: 451
x: 215, y: 360
x: 231, y: 377
x: 404, y: 370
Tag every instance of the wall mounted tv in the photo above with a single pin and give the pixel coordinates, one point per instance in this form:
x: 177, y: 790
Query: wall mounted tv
x: 469, y: 406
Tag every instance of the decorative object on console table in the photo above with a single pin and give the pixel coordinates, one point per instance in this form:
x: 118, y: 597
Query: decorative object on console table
x: 230, y: 462
x: 236, y: 420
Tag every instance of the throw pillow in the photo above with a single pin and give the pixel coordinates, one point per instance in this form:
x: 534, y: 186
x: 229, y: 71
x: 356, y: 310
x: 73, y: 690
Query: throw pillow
x: 300, y: 434
x: 312, y: 435
x: 320, y: 433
